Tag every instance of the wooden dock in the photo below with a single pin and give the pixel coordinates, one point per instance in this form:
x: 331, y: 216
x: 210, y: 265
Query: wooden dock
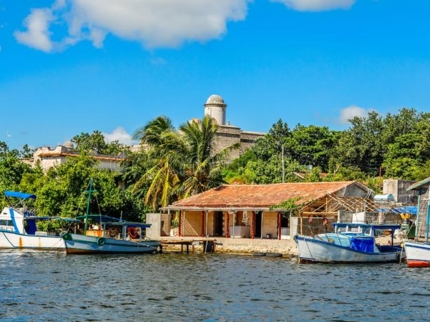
x: 208, y: 244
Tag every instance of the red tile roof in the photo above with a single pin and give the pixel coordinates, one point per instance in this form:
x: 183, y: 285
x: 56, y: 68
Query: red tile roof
x: 261, y: 196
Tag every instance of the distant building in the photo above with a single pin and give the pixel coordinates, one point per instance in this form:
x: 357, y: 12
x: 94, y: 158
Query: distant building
x: 215, y: 107
x: 399, y: 190
x: 49, y: 158
x: 228, y: 135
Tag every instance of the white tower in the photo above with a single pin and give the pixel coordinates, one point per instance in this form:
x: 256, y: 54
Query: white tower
x: 215, y: 108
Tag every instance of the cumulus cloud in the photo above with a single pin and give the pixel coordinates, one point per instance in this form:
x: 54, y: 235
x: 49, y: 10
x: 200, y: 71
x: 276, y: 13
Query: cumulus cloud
x: 120, y: 135
x: 317, y: 5
x: 154, y: 23
x: 350, y: 112
x: 37, y: 35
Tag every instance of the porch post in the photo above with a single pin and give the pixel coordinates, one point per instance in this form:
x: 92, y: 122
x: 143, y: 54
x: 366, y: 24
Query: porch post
x: 279, y: 225
x: 253, y: 225
x: 206, y: 223
x: 227, y: 224
x: 180, y: 224
x: 203, y: 224
x: 261, y: 232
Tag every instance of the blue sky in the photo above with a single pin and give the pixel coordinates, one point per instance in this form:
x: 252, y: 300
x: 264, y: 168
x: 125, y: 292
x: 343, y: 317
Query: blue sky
x: 73, y: 66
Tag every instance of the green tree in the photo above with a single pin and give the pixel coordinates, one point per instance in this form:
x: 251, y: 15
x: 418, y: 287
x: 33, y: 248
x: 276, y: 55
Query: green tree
x: 186, y: 162
x: 361, y: 145
x: 96, y: 142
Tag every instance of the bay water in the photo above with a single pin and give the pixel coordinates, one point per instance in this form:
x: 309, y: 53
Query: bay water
x: 51, y: 286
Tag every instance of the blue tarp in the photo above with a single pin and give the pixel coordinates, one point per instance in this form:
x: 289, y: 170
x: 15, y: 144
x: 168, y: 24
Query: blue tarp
x: 21, y: 195
x: 399, y: 210
x: 362, y: 244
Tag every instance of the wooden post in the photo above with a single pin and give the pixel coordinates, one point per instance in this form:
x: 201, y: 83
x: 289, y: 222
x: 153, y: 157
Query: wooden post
x: 203, y: 224
x: 180, y: 224
x: 227, y: 225
x: 253, y: 225
x: 279, y: 225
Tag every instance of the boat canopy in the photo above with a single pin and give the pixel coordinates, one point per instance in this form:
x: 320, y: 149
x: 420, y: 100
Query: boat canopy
x: 99, y: 218
x: 131, y: 224
x: 114, y: 221
x: 67, y: 219
x: 373, y: 226
x: 21, y: 195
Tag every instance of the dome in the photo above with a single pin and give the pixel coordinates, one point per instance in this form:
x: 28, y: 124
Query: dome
x: 215, y: 99
x: 68, y: 145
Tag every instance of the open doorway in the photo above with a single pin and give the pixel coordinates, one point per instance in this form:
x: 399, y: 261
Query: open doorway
x: 218, y: 223
x: 258, y: 217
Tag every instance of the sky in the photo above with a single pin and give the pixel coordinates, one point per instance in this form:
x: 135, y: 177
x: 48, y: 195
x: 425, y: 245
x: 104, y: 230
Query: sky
x: 76, y: 66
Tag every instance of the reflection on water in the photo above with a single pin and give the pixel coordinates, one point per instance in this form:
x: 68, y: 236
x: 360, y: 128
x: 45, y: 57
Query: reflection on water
x: 50, y: 286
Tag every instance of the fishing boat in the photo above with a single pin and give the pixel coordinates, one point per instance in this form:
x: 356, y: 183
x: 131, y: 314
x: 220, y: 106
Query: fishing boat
x: 418, y: 250
x: 18, y: 225
x: 111, y: 236
x: 350, y: 243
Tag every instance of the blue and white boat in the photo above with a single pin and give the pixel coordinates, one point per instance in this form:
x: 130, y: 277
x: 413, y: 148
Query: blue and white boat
x: 418, y: 250
x: 18, y: 227
x: 350, y: 243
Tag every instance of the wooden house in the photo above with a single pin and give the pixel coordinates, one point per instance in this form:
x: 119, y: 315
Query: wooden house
x: 269, y: 210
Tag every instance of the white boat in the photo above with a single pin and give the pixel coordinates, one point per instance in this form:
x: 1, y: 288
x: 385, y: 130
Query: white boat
x: 112, y: 236
x: 349, y: 243
x: 18, y: 227
x: 418, y: 253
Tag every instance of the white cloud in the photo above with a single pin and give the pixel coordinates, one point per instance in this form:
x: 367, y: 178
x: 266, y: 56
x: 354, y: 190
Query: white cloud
x: 120, y: 135
x: 350, y: 112
x: 160, y: 23
x: 317, y: 5
x: 154, y: 23
x: 37, y: 35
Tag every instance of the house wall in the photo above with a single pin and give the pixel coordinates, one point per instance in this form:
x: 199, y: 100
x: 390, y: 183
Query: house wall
x: 191, y: 223
x: 229, y: 135
x: 398, y: 189
x: 269, y: 225
x: 47, y: 163
x: 354, y: 190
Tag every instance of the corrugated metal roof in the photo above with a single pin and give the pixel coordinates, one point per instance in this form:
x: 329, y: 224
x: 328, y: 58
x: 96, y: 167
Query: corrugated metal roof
x: 419, y: 184
x: 261, y: 196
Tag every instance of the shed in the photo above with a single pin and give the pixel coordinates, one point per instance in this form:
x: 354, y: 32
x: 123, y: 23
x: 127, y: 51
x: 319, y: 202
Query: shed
x: 385, y: 198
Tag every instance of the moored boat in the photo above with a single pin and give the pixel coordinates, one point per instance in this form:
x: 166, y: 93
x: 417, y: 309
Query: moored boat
x: 18, y: 226
x: 350, y: 243
x: 112, y: 236
x: 418, y: 251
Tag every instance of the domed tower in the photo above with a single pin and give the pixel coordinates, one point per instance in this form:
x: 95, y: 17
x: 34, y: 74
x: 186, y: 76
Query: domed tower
x: 215, y: 108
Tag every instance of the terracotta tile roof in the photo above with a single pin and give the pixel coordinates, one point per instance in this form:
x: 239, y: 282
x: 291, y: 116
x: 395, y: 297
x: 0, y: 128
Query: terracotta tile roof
x: 261, y: 196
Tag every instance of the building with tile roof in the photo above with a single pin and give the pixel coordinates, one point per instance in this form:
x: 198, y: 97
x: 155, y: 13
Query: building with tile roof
x: 258, y: 211
x: 48, y: 158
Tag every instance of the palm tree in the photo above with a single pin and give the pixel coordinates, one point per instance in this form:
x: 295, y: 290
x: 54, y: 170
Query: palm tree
x: 185, y: 161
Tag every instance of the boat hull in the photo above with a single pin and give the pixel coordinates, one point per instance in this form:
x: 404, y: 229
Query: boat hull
x: 12, y: 240
x: 81, y: 244
x: 417, y: 254
x: 314, y: 250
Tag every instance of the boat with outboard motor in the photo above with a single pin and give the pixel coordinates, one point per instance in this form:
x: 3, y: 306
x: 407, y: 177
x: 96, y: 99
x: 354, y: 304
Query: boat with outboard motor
x: 18, y: 225
x: 350, y: 243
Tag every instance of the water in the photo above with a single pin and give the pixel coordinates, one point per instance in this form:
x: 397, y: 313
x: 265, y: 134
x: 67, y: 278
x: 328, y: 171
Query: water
x: 36, y: 286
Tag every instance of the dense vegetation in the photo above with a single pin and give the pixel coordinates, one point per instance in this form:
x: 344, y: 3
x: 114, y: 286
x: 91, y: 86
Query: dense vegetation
x: 176, y: 163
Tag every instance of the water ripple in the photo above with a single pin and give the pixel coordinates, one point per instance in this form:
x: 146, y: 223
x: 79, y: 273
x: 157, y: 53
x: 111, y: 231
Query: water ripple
x: 37, y: 286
